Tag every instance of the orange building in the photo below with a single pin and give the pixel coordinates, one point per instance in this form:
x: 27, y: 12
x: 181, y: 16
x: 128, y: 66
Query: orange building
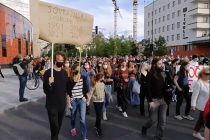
x: 15, y: 35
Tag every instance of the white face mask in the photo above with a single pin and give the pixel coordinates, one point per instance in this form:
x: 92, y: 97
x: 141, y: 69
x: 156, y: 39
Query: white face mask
x: 66, y: 65
x: 105, y: 66
x: 87, y: 66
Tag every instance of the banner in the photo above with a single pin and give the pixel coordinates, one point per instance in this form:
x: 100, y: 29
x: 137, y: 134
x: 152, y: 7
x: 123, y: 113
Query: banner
x: 59, y: 24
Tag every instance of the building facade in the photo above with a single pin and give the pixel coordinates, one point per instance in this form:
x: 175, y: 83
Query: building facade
x: 185, y: 25
x: 15, y: 35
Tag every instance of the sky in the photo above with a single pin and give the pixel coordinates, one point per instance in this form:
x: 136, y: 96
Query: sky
x: 103, y: 12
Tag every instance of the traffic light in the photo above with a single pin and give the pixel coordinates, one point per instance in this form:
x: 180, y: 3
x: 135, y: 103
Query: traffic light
x: 96, y: 29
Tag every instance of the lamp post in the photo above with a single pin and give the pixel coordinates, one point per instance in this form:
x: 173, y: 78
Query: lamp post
x: 152, y: 45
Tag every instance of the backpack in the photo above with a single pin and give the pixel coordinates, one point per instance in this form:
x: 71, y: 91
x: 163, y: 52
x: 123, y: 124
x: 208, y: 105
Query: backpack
x: 18, y: 70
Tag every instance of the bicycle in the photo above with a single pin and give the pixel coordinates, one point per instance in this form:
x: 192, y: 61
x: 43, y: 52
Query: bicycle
x: 33, y: 80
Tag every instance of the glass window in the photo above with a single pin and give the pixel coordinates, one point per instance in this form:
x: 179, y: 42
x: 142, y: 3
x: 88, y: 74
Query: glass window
x: 168, y: 17
x: 148, y: 15
x: 148, y: 33
x: 159, y: 30
x: 163, y: 29
x: 164, y: 7
x: 164, y: 17
x: 19, y: 46
x: 173, y: 15
x: 159, y: 10
x: 178, y: 13
x: 155, y: 21
x: 178, y: 25
x: 169, y: 6
x: 4, y: 45
x: 173, y: 4
x: 159, y: 20
x: 155, y: 31
x: 172, y: 27
x: 148, y: 23
x: 172, y: 38
x: 155, y: 11
x: 168, y: 27
x: 178, y: 37
x: 179, y: 1
x: 167, y: 38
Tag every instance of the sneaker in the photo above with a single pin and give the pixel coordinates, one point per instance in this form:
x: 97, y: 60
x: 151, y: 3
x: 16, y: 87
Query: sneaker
x: 198, y: 135
x: 23, y: 100
x: 144, y: 131
x: 188, y: 117
x: 119, y: 108
x: 99, y: 133
x: 178, y: 117
x: 73, y: 132
x: 125, y: 114
x: 104, y: 116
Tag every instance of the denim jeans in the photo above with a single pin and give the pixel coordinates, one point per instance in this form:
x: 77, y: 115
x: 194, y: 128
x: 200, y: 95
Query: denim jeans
x: 108, y: 98
x: 157, y: 113
x: 79, y: 105
x: 23, y: 81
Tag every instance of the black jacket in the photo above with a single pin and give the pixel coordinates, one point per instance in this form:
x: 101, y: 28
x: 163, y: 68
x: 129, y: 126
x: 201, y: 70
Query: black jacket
x: 56, y: 93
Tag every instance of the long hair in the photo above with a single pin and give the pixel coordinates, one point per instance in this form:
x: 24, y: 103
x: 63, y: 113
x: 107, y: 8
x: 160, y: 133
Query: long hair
x: 154, y: 64
x: 96, y: 78
x: 108, y: 71
x: 182, y: 71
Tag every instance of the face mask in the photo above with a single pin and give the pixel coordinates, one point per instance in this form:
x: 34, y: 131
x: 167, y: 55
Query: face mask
x: 105, y: 66
x: 67, y: 65
x: 169, y: 62
x: 76, y: 72
x: 59, y: 64
x: 99, y: 65
x: 87, y: 66
x: 187, y: 68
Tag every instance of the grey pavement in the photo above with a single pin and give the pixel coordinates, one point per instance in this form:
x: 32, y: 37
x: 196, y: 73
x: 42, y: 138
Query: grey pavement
x: 29, y: 121
x: 9, y: 95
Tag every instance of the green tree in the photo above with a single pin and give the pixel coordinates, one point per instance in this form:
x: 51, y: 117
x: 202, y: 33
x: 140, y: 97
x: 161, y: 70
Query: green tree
x: 147, y: 51
x: 161, y: 48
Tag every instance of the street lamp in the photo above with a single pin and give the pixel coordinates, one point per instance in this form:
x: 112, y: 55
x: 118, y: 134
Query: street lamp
x: 152, y: 45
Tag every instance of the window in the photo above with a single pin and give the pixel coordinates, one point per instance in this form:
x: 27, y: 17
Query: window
x: 148, y: 33
x: 167, y: 38
x: 168, y: 17
x: 155, y: 31
x: 173, y: 15
x: 159, y: 30
x: 19, y: 46
x: 169, y: 6
x: 203, y: 6
x: 159, y: 20
x: 178, y: 37
x: 164, y: 17
x: 148, y: 23
x: 159, y: 10
x: 205, y: 19
x: 178, y: 25
x: 163, y: 29
x: 172, y: 27
x: 178, y: 13
x: 155, y: 11
x: 164, y: 7
x: 179, y: 1
x: 173, y: 4
x: 172, y: 38
x: 168, y: 27
x: 148, y: 15
x: 155, y: 21
x: 4, y: 45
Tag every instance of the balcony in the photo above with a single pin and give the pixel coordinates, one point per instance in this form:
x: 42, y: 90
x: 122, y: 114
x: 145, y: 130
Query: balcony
x: 199, y: 25
x: 199, y: 11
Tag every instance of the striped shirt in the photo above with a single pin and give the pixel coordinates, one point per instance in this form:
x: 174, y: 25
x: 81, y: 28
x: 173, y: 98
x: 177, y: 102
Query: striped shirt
x: 77, y: 91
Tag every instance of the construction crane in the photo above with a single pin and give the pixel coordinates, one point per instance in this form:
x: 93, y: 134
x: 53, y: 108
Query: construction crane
x: 135, y: 19
x: 116, y: 10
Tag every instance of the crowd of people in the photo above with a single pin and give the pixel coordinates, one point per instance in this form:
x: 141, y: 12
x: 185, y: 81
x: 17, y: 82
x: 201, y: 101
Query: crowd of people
x: 135, y: 80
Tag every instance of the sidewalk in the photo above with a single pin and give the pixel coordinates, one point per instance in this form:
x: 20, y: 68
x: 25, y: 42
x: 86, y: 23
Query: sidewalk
x: 9, y: 95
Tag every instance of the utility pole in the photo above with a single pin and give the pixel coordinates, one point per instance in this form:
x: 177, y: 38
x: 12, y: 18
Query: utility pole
x: 152, y: 44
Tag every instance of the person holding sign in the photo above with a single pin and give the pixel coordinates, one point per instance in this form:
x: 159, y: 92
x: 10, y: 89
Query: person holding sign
x: 55, y: 89
x: 200, y: 97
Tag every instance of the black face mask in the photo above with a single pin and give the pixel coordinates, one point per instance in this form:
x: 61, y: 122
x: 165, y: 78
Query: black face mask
x: 76, y: 72
x: 59, y: 64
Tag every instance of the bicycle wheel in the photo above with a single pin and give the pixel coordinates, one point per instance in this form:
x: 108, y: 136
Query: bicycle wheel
x: 32, y: 83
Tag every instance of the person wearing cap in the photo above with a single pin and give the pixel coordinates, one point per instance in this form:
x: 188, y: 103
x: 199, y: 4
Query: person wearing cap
x: 199, y: 99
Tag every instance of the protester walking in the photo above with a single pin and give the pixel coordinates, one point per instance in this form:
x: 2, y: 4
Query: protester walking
x: 98, y: 97
x: 155, y: 96
x: 79, y: 100
x: 200, y: 97
x: 182, y: 91
x: 55, y: 89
